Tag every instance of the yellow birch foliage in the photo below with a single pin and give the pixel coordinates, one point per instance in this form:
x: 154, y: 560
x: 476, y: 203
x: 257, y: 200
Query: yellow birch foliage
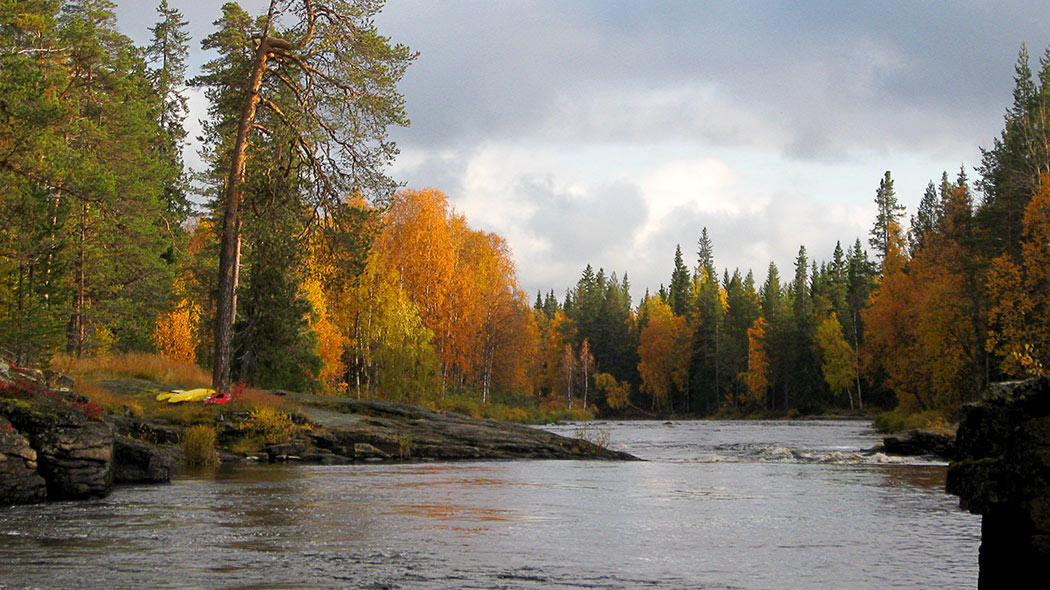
x: 617, y: 394
x: 836, y: 355
x: 331, y: 343
x: 389, y: 345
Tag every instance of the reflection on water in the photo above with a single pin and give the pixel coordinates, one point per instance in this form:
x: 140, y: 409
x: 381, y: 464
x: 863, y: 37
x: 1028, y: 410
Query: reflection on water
x: 743, y: 505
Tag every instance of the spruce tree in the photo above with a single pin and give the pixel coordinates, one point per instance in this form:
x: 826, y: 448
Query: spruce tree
x: 926, y: 218
x: 888, y: 212
x: 678, y: 294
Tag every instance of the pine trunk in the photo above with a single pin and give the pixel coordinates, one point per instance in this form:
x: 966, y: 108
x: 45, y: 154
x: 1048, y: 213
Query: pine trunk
x: 230, y: 246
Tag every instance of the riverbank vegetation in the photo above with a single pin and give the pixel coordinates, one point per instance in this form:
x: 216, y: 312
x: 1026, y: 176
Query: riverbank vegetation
x: 349, y: 286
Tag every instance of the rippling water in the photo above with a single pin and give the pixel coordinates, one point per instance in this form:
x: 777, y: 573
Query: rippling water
x: 741, y: 505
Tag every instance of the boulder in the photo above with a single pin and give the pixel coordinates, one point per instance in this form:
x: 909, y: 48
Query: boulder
x: 19, y: 481
x: 135, y: 461
x: 366, y: 452
x: 1002, y: 472
x: 920, y: 442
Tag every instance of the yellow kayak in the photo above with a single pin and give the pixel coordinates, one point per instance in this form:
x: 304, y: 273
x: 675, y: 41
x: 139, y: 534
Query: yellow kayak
x: 188, y: 395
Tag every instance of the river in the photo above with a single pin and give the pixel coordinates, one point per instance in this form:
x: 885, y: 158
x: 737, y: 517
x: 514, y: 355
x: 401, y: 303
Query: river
x: 718, y: 505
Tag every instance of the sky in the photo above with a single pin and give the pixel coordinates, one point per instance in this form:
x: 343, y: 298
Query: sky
x: 608, y: 132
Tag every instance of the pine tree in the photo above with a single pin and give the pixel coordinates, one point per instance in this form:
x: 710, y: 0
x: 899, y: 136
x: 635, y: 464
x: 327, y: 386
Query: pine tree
x: 329, y: 82
x: 705, y: 259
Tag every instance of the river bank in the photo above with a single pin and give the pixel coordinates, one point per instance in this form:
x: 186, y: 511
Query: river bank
x: 56, y: 444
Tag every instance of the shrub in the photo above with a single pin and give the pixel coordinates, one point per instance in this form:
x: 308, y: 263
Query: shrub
x: 597, y: 436
x: 198, y: 442
x: 901, y: 419
x: 405, y: 445
x: 273, y: 425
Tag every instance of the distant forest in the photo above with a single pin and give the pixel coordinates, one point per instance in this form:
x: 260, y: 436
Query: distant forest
x: 347, y: 285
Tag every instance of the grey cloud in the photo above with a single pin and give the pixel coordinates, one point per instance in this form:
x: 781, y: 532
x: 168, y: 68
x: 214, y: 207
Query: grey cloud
x: 809, y: 71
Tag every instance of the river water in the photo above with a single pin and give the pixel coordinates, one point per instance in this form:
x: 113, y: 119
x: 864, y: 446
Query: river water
x: 721, y: 505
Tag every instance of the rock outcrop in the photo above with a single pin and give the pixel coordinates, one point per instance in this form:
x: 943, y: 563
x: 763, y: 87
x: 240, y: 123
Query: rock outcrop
x: 1003, y: 474
x: 75, y: 459
x: 54, y: 444
x: 401, y: 431
x: 920, y: 442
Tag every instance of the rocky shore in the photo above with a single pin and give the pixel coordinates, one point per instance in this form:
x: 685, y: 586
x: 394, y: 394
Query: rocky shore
x: 55, y: 444
x: 1002, y: 472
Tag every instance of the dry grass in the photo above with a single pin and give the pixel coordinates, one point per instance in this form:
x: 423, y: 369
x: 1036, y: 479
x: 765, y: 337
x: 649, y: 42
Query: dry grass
x: 133, y: 365
x: 258, y: 398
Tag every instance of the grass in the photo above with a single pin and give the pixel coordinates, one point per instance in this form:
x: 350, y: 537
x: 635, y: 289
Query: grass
x: 520, y: 410
x: 129, y: 383
x: 110, y: 400
x: 599, y: 437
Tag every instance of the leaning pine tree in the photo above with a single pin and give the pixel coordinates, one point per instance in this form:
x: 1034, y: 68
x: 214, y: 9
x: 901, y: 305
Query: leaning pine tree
x: 314, y: 71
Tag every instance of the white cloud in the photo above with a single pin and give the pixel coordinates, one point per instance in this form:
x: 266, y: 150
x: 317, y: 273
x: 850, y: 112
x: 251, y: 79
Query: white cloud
x: 700, y: 186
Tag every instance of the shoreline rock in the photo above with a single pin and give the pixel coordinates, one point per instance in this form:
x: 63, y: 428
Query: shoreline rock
x: 1002, y: 472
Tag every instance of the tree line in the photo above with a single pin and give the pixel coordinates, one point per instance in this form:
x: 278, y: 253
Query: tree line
x: 959, y: 299
x: 299, y: 264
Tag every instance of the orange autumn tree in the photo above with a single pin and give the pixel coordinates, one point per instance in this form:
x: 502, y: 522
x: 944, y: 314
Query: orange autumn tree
x: 1019, y: 326
x: 889, y: 319
x: 330, y: 340
x: 464, y: 285
x: 948, y: 366
x: 756, y: 378
x: 922, y: 325
x: 502, y: 320
x: 663, y: 353
x: 416, y: 245
x: 516, y: 359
